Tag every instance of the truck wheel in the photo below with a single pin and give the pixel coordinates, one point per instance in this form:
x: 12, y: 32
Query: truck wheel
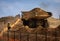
x: 32, y: 24
x: 44, y: 23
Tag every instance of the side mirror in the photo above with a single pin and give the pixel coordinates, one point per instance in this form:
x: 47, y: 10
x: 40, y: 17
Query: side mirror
x: 49, y: 13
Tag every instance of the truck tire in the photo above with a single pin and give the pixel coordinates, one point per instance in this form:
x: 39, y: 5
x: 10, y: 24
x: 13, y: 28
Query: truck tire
x: 32, y: 24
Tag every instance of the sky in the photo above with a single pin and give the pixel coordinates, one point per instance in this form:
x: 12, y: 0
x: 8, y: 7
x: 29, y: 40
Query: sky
x: 14, y: 7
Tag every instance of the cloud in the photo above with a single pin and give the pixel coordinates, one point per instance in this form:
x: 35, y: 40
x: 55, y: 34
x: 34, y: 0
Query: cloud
x: 56, y: 1
x: 14, y: 8
x: 51, y: 6
x: 55, y: 11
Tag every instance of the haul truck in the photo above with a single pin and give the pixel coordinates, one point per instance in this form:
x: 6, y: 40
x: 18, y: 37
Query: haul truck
x: 35, y: 17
